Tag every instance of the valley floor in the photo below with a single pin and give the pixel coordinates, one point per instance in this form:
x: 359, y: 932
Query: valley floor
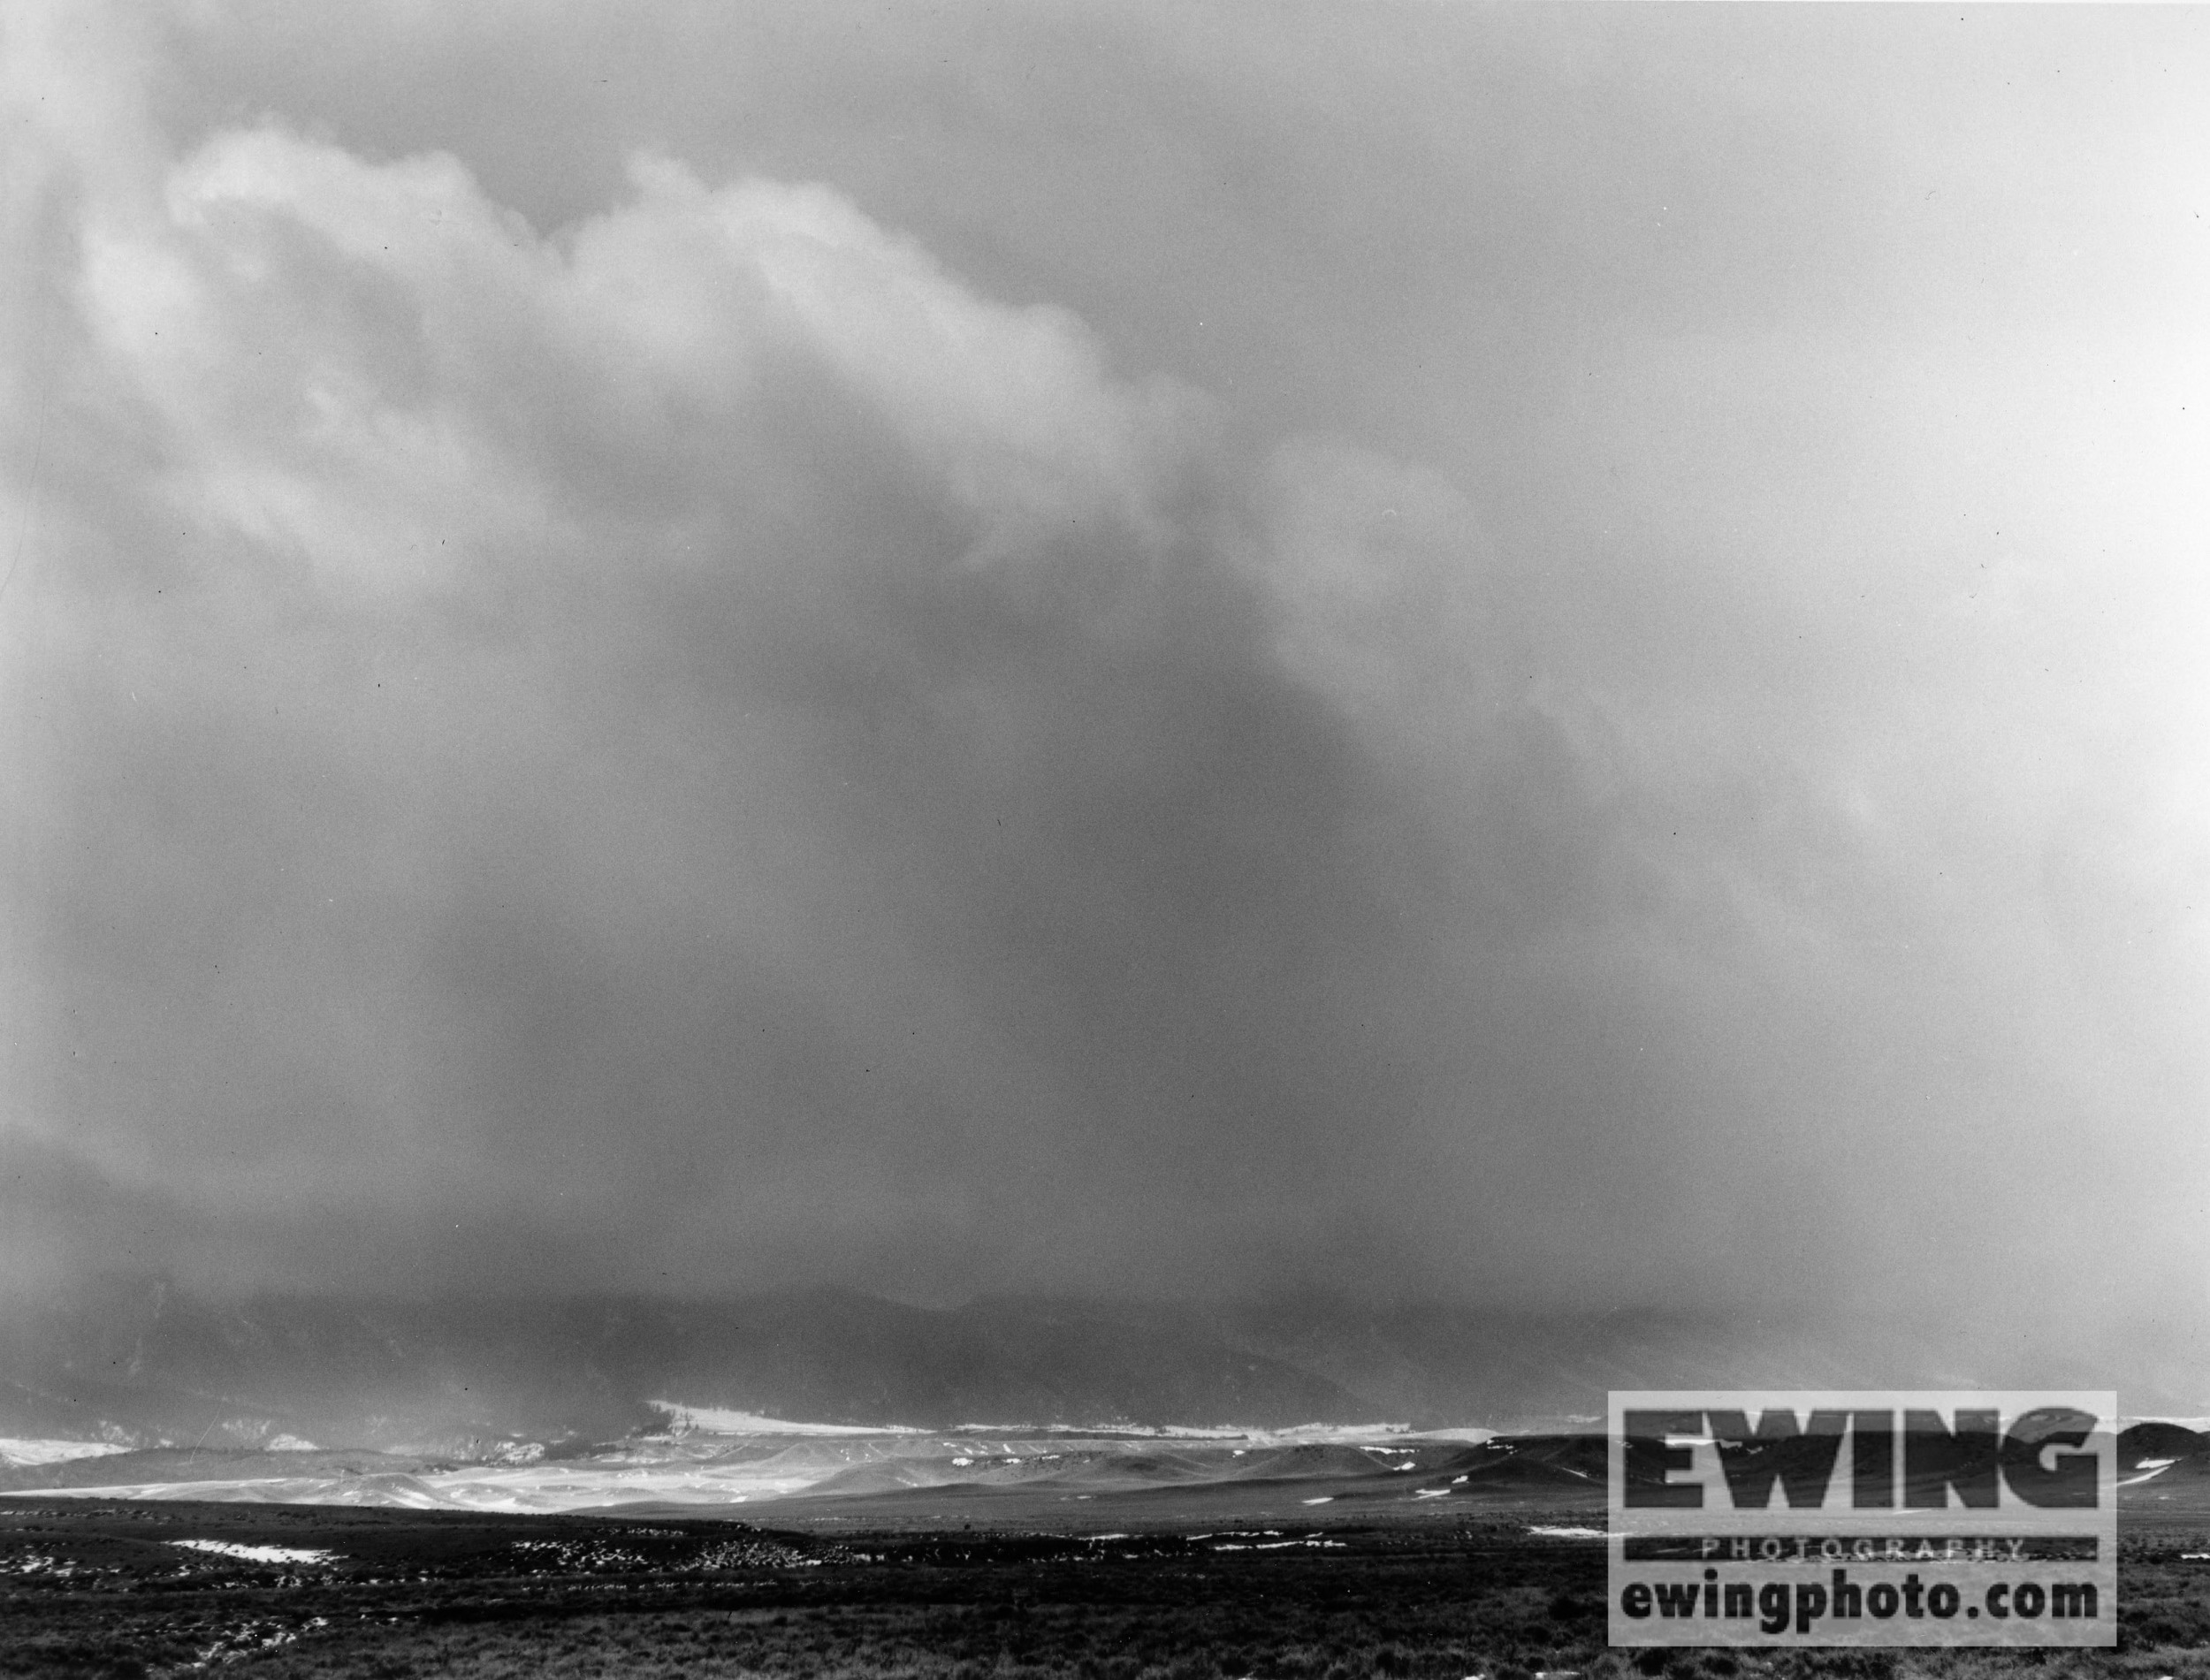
x: 91, y: 1588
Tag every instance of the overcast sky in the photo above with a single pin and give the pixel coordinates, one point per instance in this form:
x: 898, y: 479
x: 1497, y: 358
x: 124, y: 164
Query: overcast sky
x: 1553, y: 656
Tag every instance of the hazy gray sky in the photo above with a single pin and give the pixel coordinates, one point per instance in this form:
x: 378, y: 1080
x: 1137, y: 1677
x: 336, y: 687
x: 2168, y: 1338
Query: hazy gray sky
x: 1551, y: 655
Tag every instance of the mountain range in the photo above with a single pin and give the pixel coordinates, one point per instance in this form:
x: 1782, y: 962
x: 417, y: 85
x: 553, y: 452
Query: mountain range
x: 141, y: 1362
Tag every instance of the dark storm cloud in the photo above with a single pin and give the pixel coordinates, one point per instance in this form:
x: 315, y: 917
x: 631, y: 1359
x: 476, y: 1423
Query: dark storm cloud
x: 1412, y: 725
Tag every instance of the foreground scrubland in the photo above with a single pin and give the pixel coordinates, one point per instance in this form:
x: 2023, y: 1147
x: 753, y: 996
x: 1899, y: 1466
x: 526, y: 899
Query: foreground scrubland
x: 105, y: 1591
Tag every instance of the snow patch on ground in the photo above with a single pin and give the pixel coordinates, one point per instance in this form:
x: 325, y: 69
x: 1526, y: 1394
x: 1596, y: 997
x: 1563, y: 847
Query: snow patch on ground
x: 1321, y: 1434
x: 257, y: 1553
x: 2150, y: 1469
x: 685, y: 1420
x: 718, y: 1420
x: 15, y: 1451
